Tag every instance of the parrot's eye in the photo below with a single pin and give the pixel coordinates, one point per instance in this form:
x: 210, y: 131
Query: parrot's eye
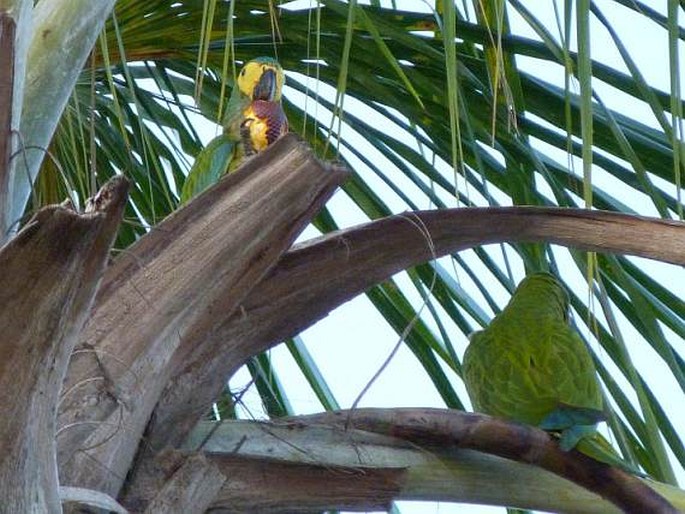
x: 242, y: 73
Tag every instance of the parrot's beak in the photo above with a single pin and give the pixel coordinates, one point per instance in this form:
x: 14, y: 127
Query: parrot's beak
x: 266, y: 87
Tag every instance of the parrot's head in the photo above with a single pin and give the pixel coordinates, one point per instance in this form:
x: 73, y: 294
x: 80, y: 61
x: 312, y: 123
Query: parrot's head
x: 545, y: 290
x: 262, y: 79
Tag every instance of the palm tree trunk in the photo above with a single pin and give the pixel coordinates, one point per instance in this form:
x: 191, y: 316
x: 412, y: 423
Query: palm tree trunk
x: 163, y: 296
x: 48, y: 277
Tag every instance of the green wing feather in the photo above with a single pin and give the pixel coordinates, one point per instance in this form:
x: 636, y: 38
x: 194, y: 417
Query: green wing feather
x: 233, y: 116
x: 219, y: 154
x: 209, y: 166
x: 529, y: 365
x: 529, y: 361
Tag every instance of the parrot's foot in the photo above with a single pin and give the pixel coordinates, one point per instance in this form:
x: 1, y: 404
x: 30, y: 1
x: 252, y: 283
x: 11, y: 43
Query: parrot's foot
x: 571, y: 436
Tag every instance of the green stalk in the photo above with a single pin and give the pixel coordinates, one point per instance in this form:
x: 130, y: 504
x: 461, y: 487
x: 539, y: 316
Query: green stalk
x: 676, y: 104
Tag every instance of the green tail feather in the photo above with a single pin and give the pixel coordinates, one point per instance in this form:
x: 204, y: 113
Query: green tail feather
x: 597, y: 447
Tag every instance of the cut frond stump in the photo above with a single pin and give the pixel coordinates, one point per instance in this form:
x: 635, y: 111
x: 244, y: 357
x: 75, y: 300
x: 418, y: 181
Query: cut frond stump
x: 161, y: 299
x: 48, y: 277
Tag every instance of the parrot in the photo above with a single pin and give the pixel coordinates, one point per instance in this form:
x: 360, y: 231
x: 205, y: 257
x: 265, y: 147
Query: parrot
x: 254, y: 118
x: 529, y: 365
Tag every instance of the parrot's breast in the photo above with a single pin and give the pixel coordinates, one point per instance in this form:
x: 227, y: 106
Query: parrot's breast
x: 263, y: 123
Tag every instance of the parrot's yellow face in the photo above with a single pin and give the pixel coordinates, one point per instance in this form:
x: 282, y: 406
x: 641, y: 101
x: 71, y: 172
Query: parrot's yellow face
x: 262, y: 79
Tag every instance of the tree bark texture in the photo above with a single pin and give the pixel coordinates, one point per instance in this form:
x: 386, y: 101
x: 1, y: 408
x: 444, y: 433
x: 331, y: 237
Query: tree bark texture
x: 48, y: 278
x: 316, y: 276
x: 523, y: 443
x: 192, y: 269
x: 190, y: 487
x: 288, y: 465
x: 87, y: 497
x: 309, y: 465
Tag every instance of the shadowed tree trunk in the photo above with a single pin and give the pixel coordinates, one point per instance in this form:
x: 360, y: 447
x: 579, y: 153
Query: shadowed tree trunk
x: 166, y: 292
x: 8, y: 29
x: 48, y: 278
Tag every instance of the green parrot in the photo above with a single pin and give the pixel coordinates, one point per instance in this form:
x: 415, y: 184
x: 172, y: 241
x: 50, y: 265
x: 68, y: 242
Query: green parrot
x: 530, y: 365
x: 254, y: 118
